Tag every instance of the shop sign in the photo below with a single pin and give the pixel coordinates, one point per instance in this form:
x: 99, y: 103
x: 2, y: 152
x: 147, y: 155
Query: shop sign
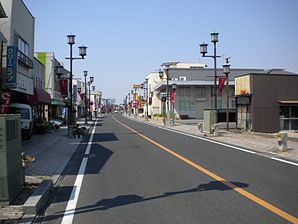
x: 242, y: 85
x: 11, y: 67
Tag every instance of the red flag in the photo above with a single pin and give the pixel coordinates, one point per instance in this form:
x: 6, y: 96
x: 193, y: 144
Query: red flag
x: 221, y: 83
x: 82, y: 95
x: 172, y: 96
x: 63, y: 87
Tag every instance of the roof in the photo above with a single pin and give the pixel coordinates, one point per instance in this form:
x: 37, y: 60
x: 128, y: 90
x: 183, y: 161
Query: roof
x: 272, y: 72
x: 2, y: 12
x: 207, y: 74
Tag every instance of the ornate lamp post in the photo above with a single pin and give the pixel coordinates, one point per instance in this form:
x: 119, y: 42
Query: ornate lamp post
x: 203, y: 51
x: 89, y: 106
x: 174, y: 86
x: 163, y: 100
x: 129, y: 104
x: 82, y: 52
x: 85, y: 97
x: 226, y: 71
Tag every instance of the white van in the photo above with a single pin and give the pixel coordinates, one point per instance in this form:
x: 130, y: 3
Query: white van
x: 26, y: 117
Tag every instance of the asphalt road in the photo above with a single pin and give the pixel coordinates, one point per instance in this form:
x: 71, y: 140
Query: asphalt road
x: 136, y: 173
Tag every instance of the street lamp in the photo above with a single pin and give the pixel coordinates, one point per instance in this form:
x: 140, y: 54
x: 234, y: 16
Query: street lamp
x: 226, y: 71
x: 174, y: 86
x: 203, y: 51
x: 147, y: 98
x: 89, y: 84
x: 129, y: 104
x: 82, y: 52
x: 85, y: 97
x: 163, y: 101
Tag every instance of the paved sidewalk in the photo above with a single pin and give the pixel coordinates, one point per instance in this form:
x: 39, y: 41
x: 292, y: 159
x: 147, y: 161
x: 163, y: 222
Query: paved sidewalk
x: 261, y: 142
x: 52, y: 152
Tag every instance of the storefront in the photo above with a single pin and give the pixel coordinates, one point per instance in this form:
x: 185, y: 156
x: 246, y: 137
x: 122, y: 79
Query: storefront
x: 267, y: 102
x: 288, y: 115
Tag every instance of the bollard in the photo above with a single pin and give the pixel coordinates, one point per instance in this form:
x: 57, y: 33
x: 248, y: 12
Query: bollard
x: 282, y: 141
x: 216, y: 130
x: 200, y: 127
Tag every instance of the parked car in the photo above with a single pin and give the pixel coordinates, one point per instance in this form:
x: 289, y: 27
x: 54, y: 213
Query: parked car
x: 27, y: 119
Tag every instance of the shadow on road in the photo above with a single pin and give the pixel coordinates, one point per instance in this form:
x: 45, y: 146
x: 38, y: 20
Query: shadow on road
x: 123, y: 200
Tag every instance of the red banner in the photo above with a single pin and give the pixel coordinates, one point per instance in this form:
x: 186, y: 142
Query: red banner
x: 82, y: 95
x: 221, y: 83
x: 63, y: 87
x: 172, y: 96
x: 5, y: 102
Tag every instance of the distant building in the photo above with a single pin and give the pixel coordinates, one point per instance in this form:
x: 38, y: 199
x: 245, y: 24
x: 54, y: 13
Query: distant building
x: 268, y: 101
x: 52, y: 85
x: 194, y: 92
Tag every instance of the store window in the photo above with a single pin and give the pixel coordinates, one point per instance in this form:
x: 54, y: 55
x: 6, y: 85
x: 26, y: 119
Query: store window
x: 201, y: 92
x: 289, y: 117
x: 23, y: 46
x: 184, y: 91
x: 184, y: 105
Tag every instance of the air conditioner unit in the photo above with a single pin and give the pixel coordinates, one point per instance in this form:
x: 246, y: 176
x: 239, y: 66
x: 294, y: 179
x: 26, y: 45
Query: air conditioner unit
x: 182, y: 78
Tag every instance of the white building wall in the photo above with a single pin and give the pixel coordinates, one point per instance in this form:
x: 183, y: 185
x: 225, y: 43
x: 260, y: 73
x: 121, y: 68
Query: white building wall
x: 19, y: 23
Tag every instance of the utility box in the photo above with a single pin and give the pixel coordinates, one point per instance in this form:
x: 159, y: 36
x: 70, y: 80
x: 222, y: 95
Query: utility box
x: 210, y: 117
x: 12, y: 176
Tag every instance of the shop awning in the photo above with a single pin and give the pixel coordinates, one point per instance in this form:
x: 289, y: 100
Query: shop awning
x: 288, y: 101
x: 57, y: 102
x: 40, y: 97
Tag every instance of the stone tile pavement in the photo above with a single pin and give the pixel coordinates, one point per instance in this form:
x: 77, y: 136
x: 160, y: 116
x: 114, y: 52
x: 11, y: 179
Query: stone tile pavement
x: 52, y: 152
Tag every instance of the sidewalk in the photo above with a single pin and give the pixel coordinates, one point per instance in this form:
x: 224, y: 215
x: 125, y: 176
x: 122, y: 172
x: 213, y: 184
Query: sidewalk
x: 261, y: 142
x: 52, y: 152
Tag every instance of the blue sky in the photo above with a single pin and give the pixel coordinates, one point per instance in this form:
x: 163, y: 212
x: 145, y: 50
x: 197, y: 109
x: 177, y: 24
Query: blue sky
x: 128, y: 39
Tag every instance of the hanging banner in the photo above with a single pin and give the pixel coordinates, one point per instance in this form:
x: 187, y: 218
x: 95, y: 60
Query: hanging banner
x: 63, y: 87
x: 172, y: 96
x: 82, y: 95
x: 11, y: 67
x: 221, y: 83
x: 5, y: 97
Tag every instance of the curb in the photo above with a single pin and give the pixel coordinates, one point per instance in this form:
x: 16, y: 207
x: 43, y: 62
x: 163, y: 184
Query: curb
x: 38, y: 198
x: 41, y: 194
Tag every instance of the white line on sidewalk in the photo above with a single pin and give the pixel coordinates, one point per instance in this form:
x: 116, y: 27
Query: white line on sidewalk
x: 72, y: 203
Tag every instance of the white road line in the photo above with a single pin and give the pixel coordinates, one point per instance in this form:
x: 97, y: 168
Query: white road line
x: 284, y: 161
x: 72, y: 202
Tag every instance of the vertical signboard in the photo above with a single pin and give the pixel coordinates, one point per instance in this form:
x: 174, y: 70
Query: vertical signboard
x: 242, y: 85
x: 74, y: 93
x: 11, y: 67
x: 63, y: 87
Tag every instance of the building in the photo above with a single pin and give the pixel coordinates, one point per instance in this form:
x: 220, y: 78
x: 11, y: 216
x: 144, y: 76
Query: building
x: 267, y: 102
x: 40, y: 100
x: 17, y: 29
x: 194, y: 92
x: 58, y: 89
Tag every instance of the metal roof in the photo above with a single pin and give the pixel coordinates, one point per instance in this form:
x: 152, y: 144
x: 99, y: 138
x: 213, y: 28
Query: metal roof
x: 2, y: 12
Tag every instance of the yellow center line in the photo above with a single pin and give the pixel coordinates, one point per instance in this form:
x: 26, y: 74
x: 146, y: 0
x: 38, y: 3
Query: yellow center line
x: 239, y: 190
